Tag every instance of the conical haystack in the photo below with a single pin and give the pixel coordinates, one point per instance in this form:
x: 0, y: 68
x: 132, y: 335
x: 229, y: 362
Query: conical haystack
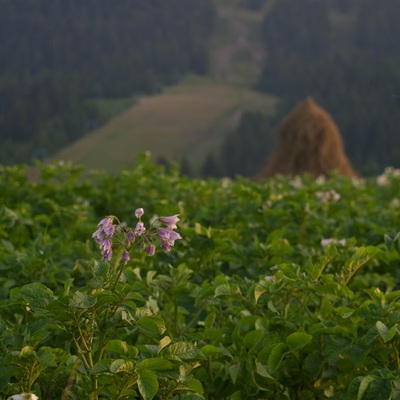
x: 308, y: 141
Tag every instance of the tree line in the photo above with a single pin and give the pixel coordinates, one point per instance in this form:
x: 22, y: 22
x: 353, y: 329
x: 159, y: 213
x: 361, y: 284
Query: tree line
x: 58, y: 56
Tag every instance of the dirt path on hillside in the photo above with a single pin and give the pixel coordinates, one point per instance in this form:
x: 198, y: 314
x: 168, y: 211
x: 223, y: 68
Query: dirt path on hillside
x: 224, y: 56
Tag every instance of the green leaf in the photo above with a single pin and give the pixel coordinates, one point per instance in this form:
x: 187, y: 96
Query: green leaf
x: 209, y: 350
x: 379, y: 389
x: 234, y: 371
x: 102, y: 366
x: 352, y: 390
x: 313, y: 363
x: 251, y: 339
x: 122, y: 348
x: 357, y: 354
x: 272, y: 308
x: 121, y: 366
x: 68, y: 284
x: 39, y: 331
x: 364, y: 384
x: 10, y: 370
x: 8, y: 217
x: 192, y: 384
x: 334, y: 345
x: 151, y: 325
x: 183, y: 350
x: 226, y: 290
x: 263, y: 371
x: 132, y: 295
x: 81, y: 300
x: 276, y: 357
x: 345, y: 312
x: 35, y: 295
x: 361, y: 257
x: 191, y: 396
x: 45, y: 355
x: 209, y: 321
x: 326, y: 307
x: 236, y: 396
x: 147, y: 384
x: 117, y: 346
x: 261, y: 288
x: 385, y: 333
x: 155, y: 364
x: 298, y: 340
x: 164, y: 342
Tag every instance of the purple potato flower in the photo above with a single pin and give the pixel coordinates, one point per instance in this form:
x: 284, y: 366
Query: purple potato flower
x: 140, y: 228
x: 109, y: 230
x: 103, y: 236
x: 105, y: 221
x: 99, y: 235
x: 105, y: 229
x: 165, y: 247
x: 170, y: 221
x: 168, y: 236
x: 106, y: 249
x: 107, y: 225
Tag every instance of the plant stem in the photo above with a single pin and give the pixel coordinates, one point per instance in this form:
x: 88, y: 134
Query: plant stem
x: 118, y: 277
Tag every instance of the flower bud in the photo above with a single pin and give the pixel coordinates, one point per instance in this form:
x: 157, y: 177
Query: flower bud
x: 166, y: 248
x: 130, y: 237
x: 151, y: 250
x: 139, y: 212
x: 125, y: 257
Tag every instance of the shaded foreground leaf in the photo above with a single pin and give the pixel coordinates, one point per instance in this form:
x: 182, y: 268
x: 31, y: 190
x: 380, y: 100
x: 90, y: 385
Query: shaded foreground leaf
x: 147, y: 384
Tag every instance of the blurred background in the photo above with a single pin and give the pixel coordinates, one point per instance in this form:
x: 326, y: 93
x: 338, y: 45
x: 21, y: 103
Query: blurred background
x: 204, y: 83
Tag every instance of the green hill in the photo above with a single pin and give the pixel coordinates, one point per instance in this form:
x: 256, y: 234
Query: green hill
x: 185, y: 120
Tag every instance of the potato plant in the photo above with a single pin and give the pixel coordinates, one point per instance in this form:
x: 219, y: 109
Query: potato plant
x: 281, y: 289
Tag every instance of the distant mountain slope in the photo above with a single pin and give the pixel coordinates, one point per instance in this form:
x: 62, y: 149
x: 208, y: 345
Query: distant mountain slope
x: 185, y: 121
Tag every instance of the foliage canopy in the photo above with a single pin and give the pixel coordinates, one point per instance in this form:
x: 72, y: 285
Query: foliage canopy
x: 283, y: 289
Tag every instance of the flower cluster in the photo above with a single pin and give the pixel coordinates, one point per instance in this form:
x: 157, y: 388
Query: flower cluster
x: 384, y: 179
x: 168, y: 238
x: 110, y: 231
x: 329, y: 241
x: 330, y: 195
x: 103, y: 235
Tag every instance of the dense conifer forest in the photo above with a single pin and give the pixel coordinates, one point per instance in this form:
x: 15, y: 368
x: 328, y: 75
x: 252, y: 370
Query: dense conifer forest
x: 58, y: 56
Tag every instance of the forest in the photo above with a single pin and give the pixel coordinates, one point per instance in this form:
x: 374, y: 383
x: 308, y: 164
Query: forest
x: 345, y: 54
x: 59, y: 57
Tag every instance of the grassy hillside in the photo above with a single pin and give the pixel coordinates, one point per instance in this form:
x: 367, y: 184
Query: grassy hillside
x: 192, y: 117
x: 187, y: 119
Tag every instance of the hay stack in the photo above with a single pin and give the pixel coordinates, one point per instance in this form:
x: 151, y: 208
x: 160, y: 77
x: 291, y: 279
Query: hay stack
x: 308, y: 141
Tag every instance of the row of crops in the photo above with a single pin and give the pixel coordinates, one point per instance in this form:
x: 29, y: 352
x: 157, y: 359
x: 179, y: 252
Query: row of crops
x: 284, y: 289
